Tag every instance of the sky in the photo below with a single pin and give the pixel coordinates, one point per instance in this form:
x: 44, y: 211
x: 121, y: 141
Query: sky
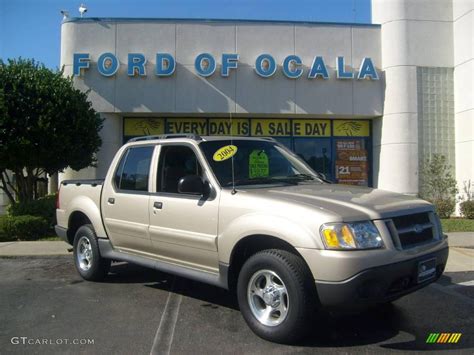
x: 32, y: 28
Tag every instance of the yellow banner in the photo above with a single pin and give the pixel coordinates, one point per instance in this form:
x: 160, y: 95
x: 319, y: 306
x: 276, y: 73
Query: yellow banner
x: 264, y: 127
x: 351, y: 128
x: 271, y: 127
x: 187, y: 125
x: 222, y: 127
x: 143, y: 126
x: 311, y: 128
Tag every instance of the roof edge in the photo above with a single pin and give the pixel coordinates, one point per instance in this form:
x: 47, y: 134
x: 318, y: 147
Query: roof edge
x: 212, y: 20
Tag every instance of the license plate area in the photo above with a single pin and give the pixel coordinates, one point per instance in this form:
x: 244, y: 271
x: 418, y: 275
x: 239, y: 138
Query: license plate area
x: 426, y: 270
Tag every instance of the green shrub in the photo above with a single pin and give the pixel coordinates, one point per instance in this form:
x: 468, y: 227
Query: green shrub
x: 467, y: 209
x: 438, y: 185
x: 44, y: 207
x: 445, y: 207
x: 25, y: 227
x: 4, y: 237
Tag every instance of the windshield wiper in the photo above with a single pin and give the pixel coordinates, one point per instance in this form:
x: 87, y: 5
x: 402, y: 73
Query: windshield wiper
x: 262, y: 180
x: 319, y: 176
x: 301, y: 176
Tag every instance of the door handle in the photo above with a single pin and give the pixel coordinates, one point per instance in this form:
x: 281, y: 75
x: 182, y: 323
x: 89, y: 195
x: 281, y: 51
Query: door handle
x: 158, y: 205
x: 111, y: 200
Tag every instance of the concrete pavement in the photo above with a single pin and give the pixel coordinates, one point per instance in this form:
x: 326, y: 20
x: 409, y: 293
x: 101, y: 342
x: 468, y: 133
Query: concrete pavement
x: 138, y: 310
x: 461, y: 252
x: 460, y: 260
x: 461, y: 239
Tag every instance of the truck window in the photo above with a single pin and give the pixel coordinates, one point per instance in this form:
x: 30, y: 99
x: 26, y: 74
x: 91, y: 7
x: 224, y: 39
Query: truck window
x: 256, y: 162
x: 175, y: 163
x: 133, y: 170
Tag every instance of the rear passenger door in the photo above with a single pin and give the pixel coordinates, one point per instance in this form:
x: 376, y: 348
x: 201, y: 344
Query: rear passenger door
x: 125, y: 200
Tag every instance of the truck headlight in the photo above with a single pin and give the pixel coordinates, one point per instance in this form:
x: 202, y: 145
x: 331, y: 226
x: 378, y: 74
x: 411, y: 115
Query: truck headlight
x: 343, y: 236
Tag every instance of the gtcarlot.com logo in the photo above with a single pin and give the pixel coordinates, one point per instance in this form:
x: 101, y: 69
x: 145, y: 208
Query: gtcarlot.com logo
x: 50, y: 341
x: 443, y: 338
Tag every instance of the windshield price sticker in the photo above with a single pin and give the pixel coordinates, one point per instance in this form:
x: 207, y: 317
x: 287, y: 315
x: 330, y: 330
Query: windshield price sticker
x: 258, y: 164
x: 225, y: 153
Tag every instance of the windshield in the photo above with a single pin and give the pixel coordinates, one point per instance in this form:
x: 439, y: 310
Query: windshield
x: 256, y: 162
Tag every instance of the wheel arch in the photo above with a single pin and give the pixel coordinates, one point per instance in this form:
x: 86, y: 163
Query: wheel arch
x: 250, y: 245
x: 76, y: 220
x: 83, y: 208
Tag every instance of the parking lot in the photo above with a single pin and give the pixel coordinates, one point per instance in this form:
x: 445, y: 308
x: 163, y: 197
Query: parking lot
x: 45, y: 307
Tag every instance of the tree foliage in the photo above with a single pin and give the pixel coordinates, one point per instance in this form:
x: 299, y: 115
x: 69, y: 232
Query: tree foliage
x: 46, y: 125
x: 438, y: 185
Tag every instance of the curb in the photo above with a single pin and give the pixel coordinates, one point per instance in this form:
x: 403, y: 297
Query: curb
x: 38, y: 248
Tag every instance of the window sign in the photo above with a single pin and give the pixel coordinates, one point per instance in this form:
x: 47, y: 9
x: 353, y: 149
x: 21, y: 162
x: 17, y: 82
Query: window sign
x: 351, y: 128
x: 187, y: 125
x: 258, y: 164
x: 271, y: 127
x: 265, y: 127
x: 143, y: 126
x: 351, y: 162
x: 224, y: 127
x: 225, y: 153
x: 311, y: 128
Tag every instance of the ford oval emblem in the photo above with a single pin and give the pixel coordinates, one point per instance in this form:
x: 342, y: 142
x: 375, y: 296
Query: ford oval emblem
x: 417, y: 228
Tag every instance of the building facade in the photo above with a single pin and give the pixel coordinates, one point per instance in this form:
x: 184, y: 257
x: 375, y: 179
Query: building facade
x: 314, y: 87
x: 427, y: 57
x: 363, y: 104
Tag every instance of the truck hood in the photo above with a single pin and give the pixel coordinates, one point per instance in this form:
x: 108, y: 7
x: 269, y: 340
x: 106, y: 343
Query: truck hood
x: 348, y: 203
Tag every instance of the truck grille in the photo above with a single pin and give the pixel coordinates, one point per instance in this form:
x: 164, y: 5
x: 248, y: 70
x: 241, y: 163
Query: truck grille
x: 414, y: 229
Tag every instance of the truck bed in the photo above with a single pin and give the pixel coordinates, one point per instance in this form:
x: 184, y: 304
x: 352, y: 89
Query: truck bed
x: 81, y: 195
x: 78, y: 182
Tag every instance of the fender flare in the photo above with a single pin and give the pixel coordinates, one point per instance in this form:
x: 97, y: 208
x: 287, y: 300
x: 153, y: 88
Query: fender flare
x: 90, y: 209
x: 297, y: 235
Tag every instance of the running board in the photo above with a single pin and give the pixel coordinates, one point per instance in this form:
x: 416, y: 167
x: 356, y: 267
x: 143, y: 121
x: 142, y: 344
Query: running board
x: 107, y: 251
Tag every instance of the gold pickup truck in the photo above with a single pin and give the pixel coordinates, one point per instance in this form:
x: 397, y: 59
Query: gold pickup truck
x: 249, y: 215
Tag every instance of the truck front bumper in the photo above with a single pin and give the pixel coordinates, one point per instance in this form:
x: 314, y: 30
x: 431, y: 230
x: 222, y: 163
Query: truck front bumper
x: 379, y: 284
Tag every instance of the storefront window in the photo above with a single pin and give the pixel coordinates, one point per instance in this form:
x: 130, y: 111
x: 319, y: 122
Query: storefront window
x: 317, y: 153
x: 338, y: 148
x: 285, y: 141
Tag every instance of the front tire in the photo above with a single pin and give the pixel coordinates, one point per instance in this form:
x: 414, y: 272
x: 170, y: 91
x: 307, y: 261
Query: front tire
x: 276, y: 295
x: 89, y: 263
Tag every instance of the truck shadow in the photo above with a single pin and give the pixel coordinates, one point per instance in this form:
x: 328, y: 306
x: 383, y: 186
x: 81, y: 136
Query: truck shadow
x: 129, y: 273
x: 387, y: 327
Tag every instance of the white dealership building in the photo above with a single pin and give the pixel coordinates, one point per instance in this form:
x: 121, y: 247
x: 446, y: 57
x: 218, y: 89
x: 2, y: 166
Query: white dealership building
x: 364, y: 104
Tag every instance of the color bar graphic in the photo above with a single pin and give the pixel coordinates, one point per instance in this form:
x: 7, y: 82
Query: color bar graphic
x: 443, y: 338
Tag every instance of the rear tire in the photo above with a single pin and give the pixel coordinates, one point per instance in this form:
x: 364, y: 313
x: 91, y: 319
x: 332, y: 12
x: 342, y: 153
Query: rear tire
x: 277, y: 296
x: 89, y: 263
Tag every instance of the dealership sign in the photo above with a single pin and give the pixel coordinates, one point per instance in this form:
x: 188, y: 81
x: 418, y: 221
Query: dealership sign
x: 205, y: 65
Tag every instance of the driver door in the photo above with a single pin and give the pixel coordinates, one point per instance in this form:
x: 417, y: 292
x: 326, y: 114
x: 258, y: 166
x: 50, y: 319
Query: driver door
x: 183, y: 227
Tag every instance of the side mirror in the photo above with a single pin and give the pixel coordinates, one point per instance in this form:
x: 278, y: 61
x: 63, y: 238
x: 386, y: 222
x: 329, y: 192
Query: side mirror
x: 191, y: 185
